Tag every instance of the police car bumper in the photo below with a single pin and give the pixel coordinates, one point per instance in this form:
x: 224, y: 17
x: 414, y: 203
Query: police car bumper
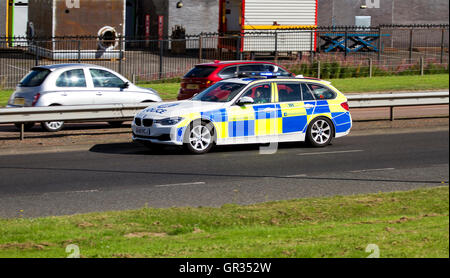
x: 158, y: 134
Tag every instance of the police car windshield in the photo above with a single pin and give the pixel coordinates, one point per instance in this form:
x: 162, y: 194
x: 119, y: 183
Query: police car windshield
x: 220, y: 92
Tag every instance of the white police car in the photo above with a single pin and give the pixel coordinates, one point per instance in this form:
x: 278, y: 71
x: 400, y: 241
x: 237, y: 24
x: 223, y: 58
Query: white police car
x: 248, y: 110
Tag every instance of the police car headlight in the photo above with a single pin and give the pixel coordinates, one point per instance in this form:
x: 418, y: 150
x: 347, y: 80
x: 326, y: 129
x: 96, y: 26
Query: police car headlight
x: 169, y: 121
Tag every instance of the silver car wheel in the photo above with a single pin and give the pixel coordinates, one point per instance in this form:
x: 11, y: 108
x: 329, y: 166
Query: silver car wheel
x: 320, y: 131
x: 200, y: 138
x: 53, y: 126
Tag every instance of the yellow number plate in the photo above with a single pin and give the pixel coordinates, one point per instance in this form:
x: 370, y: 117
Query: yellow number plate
x: 19, y: 101
x: 192, y: 86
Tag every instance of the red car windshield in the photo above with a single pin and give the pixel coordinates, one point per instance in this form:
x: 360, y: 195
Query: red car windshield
x: 220, y: 92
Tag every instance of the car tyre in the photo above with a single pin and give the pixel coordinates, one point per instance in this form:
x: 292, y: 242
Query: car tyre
x: 115, y: 124
x: 52, y: 126
x: 26, y: 126
x: 320, y: 132
x: 199, y: 137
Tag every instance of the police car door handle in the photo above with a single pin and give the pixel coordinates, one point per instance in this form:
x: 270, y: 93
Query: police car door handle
x: 309, y: 105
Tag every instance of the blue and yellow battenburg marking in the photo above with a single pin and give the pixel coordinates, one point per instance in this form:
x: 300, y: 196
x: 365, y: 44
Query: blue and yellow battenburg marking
x: 271, y: 119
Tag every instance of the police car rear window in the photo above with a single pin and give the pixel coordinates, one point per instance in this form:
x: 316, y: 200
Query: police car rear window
x: 321, y: 92
x: 200, y: 71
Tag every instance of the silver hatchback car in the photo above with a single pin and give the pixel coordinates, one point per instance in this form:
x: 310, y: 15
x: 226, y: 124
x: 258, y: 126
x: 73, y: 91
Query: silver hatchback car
x: 76, y: 84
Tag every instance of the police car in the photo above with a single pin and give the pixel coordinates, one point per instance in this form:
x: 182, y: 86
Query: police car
x: 246, y: 111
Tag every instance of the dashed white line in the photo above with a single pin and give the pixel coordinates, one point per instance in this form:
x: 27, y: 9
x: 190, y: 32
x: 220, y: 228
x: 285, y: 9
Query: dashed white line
x: 177, y: 184
x: 295, y: 176
x: 369, y: 170
x: 70, y: 192
x: 84, y: 191
x: 349, y: 151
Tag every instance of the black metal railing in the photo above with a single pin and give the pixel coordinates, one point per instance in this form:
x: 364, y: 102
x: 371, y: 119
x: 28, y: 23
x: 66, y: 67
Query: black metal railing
x: 328, y: 52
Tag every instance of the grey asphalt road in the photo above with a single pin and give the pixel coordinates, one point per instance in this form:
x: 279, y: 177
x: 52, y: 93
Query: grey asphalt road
x: 126, y: 176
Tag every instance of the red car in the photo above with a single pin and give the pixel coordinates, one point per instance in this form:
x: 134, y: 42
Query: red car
x: 204, y: 75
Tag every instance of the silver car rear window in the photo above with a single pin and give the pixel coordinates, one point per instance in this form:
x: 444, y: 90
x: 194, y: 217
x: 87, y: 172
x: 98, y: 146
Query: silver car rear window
x: 34, y: 78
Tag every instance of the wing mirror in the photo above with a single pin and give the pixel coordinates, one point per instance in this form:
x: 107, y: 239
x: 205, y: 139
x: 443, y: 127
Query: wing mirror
x: 125, y: 85
x: 245, y: 100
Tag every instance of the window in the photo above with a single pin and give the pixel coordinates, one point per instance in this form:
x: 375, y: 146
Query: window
x: 260, y: 94
x: 103, y: 78
x: 275, y: 69
x: 321, y: 92
x: 306, y: 93
x: 289, y: 92
x: 34, y: 78
x: 250, y: 68
x: 200, y: 71
x: 71, y: 78
x: 220, y: 92
x: 228, y: 72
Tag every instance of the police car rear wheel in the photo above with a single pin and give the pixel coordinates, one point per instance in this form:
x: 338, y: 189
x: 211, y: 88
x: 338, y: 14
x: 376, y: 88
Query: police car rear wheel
x: 320, y: 132
x: 200, y: 138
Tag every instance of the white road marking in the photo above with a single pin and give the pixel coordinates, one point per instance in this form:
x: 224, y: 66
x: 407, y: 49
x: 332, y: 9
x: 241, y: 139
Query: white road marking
x: 84, y: 191
x: 177, y: 184
x: 69, y: 192
x: 369, y: 170
x: 349, y: 151
x: 295, y: 176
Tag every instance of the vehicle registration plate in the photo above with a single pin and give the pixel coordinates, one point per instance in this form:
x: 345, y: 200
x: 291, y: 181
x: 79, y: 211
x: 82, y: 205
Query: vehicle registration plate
x: 19, y: 101
x: 142, y: 131
x: 192, y: 86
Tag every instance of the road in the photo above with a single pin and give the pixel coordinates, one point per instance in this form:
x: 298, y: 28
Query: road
x: 125, y: 176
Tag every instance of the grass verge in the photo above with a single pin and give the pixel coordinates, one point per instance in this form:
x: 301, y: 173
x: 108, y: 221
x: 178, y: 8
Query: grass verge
x: 401, y: 224
x: 4, y: 97
x: 169, y: 91
x: 392, y: 83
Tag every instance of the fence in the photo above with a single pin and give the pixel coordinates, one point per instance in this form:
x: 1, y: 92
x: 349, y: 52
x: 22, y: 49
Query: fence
x: 328, y: 52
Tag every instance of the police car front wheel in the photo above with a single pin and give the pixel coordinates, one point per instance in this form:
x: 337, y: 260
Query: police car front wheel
x: 320, y: 132
x: 199, y: 138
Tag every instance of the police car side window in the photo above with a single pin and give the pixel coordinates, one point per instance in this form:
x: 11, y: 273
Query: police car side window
x: 321, y: 92
x: 306, y: 93
x: 288, y: 92
x: 261, y: 94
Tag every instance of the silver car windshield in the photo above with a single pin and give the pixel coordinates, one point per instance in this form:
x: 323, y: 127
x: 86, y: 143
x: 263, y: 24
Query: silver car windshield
x: 220, y: 92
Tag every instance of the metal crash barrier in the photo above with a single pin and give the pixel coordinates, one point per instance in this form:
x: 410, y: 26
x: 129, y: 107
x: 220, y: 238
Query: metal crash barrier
x: 127, y: 111
x: 397, y: 99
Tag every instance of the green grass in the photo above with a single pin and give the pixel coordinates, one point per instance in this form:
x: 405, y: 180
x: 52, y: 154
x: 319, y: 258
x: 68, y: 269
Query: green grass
x: 392, y: 83
x: 4, y: 96
x: 169, y: 91
x: 402, y: 224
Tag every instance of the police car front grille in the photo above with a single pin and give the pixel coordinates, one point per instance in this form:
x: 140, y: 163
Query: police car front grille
x: 137, y: 121
x: 147, y: 122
